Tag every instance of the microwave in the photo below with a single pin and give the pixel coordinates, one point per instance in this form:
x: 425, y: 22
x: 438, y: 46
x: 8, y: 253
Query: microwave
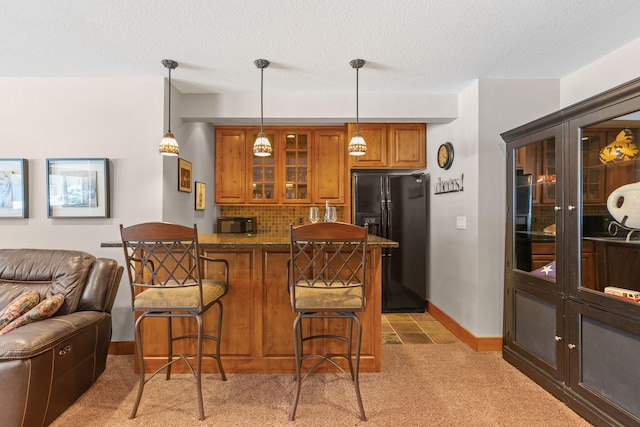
x: 236, y: 224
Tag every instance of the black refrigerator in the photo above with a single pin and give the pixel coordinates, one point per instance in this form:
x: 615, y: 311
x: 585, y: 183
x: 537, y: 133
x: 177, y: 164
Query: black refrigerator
x: 396, y: 207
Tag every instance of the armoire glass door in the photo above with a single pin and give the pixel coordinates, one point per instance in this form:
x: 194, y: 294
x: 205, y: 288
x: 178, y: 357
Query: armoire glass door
x: 536, y: 210
x: 609, y: 226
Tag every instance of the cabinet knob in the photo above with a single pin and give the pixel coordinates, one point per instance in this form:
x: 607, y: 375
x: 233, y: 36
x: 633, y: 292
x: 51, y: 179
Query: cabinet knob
x: 571, y: 346
x: 571, y: 207
x: 558, y: 338
x: 557, y: 208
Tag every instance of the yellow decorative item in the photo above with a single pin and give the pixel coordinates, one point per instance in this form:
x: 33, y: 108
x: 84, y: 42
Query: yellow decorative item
x: 621, y: 149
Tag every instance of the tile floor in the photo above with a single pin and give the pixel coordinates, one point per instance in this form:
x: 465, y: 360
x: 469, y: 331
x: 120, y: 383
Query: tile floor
x: 414, y: 328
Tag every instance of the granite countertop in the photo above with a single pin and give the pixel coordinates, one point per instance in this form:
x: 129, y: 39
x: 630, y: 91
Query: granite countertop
x: 259, y: 240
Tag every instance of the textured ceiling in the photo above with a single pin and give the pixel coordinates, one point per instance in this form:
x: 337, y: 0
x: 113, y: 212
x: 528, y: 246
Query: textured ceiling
x: 411, y: 46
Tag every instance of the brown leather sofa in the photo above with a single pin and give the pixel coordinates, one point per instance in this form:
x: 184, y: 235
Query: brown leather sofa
x: 46, y: 365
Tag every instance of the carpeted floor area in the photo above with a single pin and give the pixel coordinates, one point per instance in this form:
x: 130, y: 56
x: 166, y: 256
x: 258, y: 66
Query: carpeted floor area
x: 420, y: 385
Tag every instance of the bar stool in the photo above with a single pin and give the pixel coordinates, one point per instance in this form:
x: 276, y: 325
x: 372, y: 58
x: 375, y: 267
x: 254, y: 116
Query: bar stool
x: 166, y: 274
x: 326, y: 280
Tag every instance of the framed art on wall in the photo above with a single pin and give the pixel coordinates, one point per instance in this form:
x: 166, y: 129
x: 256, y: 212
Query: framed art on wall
x: 201, y: 196
x: 78, y: 188
x: 184, y: 175
x: 14, y: 188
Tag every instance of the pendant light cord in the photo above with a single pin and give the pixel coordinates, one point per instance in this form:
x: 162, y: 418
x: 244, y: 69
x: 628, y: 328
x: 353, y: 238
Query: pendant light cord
x: 169, y: 118
x: 357, y: 100
x: 261, y: 100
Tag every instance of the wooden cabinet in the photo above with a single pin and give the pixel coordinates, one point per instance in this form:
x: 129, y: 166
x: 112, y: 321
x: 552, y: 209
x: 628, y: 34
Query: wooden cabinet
x: 562, y: 329
x: 330, y: 177
x: 284, y: 176
x: 230, y: 166
x: 263, y: 174
x: 257, y: 320
x: 376, y: 137
x: 391, y: 146
x: 307, y: 166
x: 407, y: 146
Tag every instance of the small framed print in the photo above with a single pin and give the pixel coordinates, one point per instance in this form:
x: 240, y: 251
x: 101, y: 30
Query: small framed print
x: 184, y: 175
x: 78, y: 188
x: 14, y: 188
x: 201, y: 196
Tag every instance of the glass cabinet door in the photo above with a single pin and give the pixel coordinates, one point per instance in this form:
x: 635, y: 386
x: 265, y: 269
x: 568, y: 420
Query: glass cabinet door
x: 296, y: 169
x: 537, y: 223
x: 263, y: 174
x: 609, y: 222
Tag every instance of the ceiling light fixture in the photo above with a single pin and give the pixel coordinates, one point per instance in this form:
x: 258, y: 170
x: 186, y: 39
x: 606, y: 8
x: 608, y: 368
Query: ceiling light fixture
x: 262, y: 146
x: 357, y: 145
x: 168, y: 145
x: 620, y: 149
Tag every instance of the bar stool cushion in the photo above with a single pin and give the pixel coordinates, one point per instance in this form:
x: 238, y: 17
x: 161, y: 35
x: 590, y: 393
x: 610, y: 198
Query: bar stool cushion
x: 321, y: 297
x: 179, y: 298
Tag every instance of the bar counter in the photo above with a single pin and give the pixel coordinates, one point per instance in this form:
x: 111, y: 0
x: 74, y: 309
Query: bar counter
x: 257, y: 325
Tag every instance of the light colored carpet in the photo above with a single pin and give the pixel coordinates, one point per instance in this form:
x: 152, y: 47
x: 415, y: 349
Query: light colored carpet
x: 420, y: 385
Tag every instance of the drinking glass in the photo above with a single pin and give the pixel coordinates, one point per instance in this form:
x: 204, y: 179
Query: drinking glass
x: 313, y: 214
x: 332, y: 214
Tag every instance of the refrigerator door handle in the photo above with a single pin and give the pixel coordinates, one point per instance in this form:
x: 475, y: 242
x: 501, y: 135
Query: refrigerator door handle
x: 383, y: 213
x: 389, y: 233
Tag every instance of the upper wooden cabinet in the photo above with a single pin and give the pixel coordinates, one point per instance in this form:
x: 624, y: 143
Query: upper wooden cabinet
x: 307, y: 166
x: 230, y: 166
x: 330, y: 177
x: 376, y: 137
x: 391, y: 146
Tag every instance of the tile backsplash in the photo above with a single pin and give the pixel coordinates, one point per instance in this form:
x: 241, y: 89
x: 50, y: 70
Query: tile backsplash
x: 276, y: 219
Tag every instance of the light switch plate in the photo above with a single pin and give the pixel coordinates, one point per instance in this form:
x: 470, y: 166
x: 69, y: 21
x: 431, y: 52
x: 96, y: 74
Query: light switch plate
x: 461, y: 222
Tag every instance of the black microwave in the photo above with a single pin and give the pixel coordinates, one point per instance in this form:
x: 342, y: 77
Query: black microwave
x: 236, y: 224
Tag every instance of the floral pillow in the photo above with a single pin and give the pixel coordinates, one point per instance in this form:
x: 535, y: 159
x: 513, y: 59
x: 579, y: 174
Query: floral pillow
x: 16, y: 308
x: 45, y: 309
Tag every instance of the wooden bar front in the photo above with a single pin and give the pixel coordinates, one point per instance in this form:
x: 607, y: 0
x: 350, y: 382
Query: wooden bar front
x: 257, y: 325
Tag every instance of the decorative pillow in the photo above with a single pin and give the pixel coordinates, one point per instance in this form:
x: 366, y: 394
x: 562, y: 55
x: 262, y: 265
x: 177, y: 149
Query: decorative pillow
x: 16, y: 308
x: 45, y: 309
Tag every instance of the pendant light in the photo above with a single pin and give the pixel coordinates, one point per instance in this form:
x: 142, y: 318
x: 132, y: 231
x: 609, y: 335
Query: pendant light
x: 357, y: 145
x: 262, y: 146
x: 168, y: 145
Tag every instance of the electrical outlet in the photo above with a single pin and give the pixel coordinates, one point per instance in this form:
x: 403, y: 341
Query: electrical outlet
x: 300, y: 220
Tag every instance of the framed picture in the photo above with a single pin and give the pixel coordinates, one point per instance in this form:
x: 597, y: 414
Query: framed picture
x: 14, y: 188
x: 184, y: 175
x: 201, y: 196
x: 78, y: 188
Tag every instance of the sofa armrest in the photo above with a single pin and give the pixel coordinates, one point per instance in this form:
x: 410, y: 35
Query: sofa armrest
x: 38, y: 337
x: 102, y: 286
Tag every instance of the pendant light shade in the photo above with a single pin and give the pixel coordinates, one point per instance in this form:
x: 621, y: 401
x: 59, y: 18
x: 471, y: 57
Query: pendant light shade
x: 621, y: 149
x: 357, y: 145
x: 262, y: 146
x: 169, y: 145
